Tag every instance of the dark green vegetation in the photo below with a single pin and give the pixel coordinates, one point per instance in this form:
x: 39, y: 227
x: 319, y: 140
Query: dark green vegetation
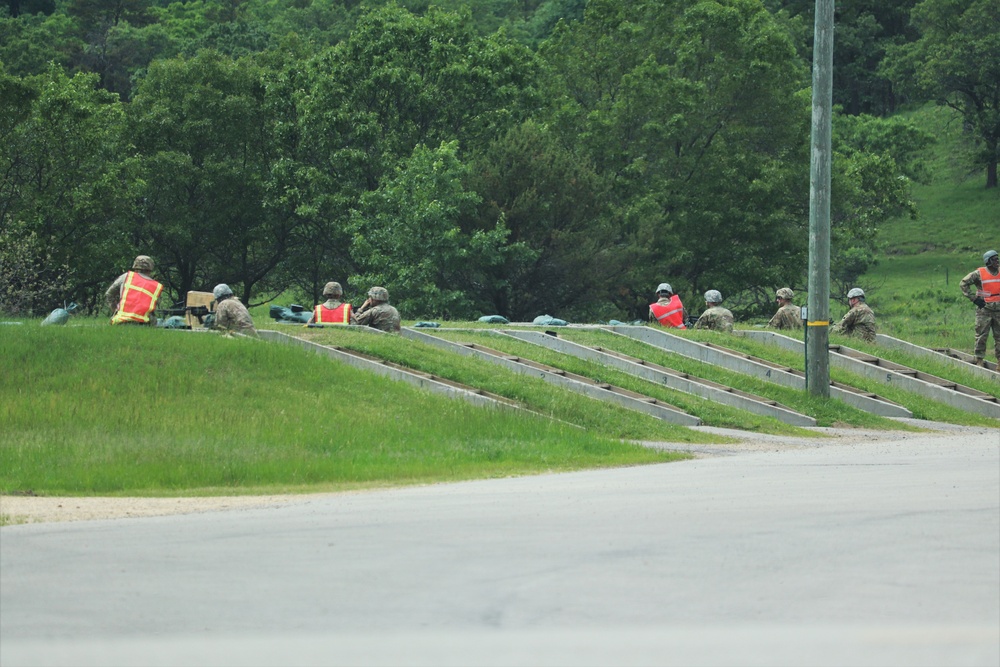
x: 135, y: 411
x: 519, y: 158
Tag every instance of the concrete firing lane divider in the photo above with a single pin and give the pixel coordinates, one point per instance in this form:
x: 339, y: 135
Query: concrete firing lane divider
x: 733, y: 360
x: 577, y: 383
x: 890, y: 373
x: 394, y: 371
x: 945, y: 355
x: 668, y: 377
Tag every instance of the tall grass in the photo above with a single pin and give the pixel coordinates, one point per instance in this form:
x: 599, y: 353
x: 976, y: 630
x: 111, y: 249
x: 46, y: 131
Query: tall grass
x: 130, y: 410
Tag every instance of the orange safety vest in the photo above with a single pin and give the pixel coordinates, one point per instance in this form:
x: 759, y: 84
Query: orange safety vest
x: 138, y: 300
x: 670, y: 315
x: 991, y: 285
x: 339, y: 315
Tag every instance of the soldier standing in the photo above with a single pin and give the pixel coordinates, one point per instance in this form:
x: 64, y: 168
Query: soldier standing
x: 859, y: 320
x: 716, y: 317
x: 133, y: 296
x: 231, y: 316
x: 377, y: 313
x: 789, y: 316
x: 668, y: 311
x: 333, y: 311
x: 982, y: 287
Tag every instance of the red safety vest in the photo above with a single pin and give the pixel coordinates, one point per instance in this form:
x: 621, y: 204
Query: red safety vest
x: 138, y: 300
x: 670, y: 315
x: 339, y: 315
x: 991, y: 285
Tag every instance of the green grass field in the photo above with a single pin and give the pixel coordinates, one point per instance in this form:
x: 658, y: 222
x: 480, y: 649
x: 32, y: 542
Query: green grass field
x: 97, y: 410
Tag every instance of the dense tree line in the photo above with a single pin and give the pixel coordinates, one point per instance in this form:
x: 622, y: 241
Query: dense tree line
x: 513, y: 157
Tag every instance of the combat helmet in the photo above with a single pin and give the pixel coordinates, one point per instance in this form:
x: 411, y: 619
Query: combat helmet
x: 379, y: 293
x: 785, y: 293
x: 222, y: 291
x: 856, y: 292
x: 143, y: 263
x: 713, y: 296
x: 988, y: 255
x: 664, y: 287
x: 333, y: 289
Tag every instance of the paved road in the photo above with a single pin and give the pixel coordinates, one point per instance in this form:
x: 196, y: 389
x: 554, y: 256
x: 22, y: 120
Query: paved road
x: 877, y: 553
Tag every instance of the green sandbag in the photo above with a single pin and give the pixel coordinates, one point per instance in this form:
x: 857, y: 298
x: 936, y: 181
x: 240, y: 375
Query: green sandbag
x: 59, y: 315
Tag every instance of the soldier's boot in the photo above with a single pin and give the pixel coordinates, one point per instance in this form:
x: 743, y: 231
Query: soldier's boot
x: 979, y: 362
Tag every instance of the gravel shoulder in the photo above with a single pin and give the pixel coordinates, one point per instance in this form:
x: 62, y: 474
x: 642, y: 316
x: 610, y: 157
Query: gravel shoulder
x: 40, y: 509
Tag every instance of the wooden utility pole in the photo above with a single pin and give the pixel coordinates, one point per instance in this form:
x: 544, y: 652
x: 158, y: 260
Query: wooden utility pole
x: 818, y: 313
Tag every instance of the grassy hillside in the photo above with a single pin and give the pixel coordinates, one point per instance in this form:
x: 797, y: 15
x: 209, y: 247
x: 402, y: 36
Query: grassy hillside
x: 914, y: 287
x: 93, y: 409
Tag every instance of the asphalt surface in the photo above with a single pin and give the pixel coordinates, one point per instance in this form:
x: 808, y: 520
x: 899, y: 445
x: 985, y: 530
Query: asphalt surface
x: 871, y: 553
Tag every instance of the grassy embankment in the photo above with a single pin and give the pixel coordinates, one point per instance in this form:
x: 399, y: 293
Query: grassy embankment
x: 94, y: 410
x: 430, y: 359
x: 914, y: 288
x: 922, y: 408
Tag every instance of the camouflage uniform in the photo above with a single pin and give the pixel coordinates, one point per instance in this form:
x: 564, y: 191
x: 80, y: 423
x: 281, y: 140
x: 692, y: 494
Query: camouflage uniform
x: 380, y: 316
x: 717, y: 318
x: 231, y: 316
x: 788, y: 316
x: 859, y: 321
x: 986, y: 318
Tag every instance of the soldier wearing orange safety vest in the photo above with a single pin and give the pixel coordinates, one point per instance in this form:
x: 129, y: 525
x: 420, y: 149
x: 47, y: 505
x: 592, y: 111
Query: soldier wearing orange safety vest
x: 668, y: 311
x: 333, y: 311
x: 133, y: 295
x: 982, y: 287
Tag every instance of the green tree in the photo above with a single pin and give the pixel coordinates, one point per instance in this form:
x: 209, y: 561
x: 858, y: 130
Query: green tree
x: 65, y: 186
x: 105, y: 51
x: 204, y: 133
x: 409, y: 237
x: 565, y: 256
x: 864, y: 31
x: 693, y: 113
x: 362, y: 107
x: 29, y: 42
x: 956, y: 61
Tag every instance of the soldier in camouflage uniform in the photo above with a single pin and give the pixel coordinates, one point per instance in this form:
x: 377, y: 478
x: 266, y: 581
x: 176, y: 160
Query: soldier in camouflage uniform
x: 715, y: 317
x: 789, y: 316
x: 231, y: 316
x: 859, y: 320
x: 377, y: 313
x: 982, y: 287
x: 143, y: 265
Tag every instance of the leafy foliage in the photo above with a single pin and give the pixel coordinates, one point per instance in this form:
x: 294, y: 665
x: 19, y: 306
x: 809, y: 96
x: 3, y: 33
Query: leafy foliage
x: 956, y: 61
x: 408, y: 234
x: 205, y: 142
x: 278, y: 145
x: 64, y: 188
